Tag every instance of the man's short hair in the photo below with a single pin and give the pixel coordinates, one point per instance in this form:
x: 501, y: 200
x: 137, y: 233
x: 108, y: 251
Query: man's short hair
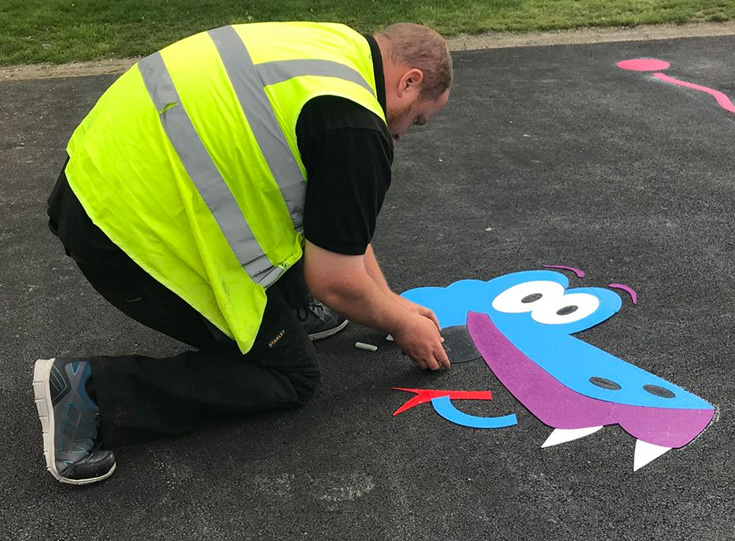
x: 418, y: 46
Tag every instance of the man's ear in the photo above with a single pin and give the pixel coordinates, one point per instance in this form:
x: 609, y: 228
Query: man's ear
x: 410, y: 81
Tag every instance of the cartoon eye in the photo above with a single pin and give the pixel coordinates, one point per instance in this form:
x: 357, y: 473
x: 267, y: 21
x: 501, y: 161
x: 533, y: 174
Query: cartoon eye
x: 547, y: 301
x: 527, y: 296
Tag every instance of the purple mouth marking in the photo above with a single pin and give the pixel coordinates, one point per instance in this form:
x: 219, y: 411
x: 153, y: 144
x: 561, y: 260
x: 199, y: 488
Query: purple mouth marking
x: 558, y: 406
x: 579, y: 273
x: 629, y: 290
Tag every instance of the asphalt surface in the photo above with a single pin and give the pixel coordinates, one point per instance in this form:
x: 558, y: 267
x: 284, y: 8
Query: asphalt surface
x: 548, y: 155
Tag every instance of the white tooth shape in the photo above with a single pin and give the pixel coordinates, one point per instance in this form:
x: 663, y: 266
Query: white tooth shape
x: 563, y: 435
x: 646, y: 452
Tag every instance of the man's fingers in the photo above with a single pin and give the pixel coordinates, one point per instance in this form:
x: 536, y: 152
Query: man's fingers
x: 442, y: 358
x: 433, y: 318
x: 427, y: 363
x: 432, y: 364
x: 435, y: 361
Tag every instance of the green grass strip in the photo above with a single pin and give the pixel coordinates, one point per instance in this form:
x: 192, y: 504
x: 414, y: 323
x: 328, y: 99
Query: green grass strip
x: 57, y: 31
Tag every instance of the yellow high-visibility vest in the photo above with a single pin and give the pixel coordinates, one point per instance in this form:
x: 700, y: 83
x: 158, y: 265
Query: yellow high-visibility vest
x: 189, y: 162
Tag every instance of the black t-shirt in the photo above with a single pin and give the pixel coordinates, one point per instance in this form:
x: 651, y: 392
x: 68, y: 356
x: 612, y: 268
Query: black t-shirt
x: 347, y: 151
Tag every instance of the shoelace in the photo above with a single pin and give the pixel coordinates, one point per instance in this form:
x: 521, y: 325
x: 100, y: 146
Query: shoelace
x: 317, y: 309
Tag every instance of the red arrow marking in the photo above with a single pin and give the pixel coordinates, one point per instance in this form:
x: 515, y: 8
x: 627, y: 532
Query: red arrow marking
x: 427, y: 395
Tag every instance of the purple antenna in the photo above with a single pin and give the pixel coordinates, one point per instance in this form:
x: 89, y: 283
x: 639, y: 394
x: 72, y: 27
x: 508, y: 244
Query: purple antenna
x: 629, y: 290
x: 579, y: 273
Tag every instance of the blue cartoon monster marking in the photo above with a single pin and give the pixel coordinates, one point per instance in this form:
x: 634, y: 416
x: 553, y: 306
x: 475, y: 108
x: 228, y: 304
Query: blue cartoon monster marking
x: 522, y: 325
x: 537, y: 313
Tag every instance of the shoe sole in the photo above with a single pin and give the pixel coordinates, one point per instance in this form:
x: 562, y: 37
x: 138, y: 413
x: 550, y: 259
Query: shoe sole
x: 329, y: 332
x: 44, y: 406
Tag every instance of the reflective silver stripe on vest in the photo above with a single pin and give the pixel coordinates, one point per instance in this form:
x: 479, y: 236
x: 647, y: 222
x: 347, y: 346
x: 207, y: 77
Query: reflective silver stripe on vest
x: 275, y: 72
x: 204, y: 173
x: 259, y: 112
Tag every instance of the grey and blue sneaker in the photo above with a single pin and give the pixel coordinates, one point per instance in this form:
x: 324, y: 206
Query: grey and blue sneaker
x: 70, y: 421
x: 320, y: 321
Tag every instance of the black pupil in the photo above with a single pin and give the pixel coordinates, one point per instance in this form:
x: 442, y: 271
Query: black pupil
x: 533, y: 297
x: 566, y: 310
x: 605, y: 383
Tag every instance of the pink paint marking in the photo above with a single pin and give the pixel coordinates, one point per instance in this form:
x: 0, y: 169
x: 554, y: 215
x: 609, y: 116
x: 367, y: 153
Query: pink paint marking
x: 652, y: 64
x: 643, y: 64
x: 579, y: 273
x: 629, y: 290
x: 722, y: 100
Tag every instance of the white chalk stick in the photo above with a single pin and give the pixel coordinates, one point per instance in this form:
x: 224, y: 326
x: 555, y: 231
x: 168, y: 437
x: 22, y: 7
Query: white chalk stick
x: 366, y: 347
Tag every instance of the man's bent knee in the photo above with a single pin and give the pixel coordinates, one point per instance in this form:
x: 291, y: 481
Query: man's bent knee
x: 305, y: 383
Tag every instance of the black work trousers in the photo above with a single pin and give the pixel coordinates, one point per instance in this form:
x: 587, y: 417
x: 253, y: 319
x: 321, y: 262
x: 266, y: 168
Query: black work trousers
x: 143, y: 398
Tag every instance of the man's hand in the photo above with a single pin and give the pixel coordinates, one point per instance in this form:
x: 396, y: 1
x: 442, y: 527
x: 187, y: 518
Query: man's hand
x: 418, y: 309
x: 418, y: 337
